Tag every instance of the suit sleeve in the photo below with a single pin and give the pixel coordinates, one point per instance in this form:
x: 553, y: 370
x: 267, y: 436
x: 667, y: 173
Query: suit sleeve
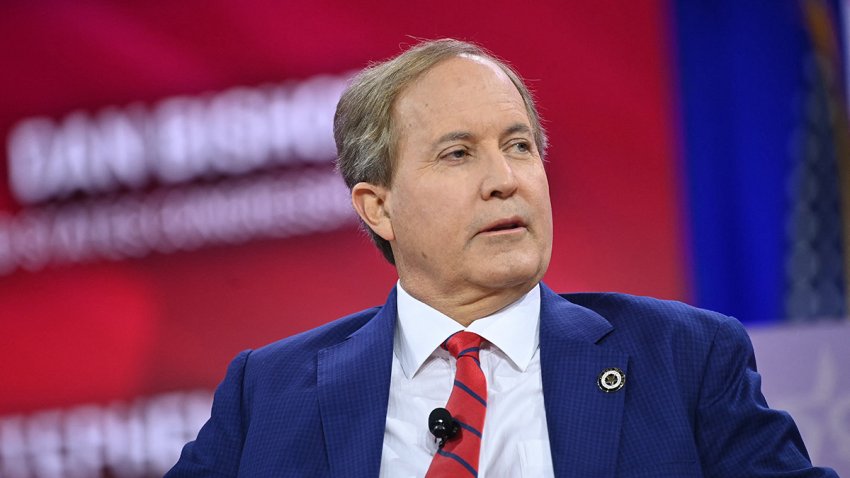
x: 737, y: 433
x: 218, y: 448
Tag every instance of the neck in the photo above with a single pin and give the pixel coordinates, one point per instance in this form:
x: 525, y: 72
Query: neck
x: 466, y: 305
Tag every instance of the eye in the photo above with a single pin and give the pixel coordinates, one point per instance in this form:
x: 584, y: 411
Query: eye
x: 522, y: 147
x: 456, y: 154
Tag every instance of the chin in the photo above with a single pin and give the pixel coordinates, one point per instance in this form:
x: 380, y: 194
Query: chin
x: 513, y: 275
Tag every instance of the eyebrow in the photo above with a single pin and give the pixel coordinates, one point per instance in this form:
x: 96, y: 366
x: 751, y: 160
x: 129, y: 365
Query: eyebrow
x: 453, y: 136
x: 517, y: 128
x: 465, y: 135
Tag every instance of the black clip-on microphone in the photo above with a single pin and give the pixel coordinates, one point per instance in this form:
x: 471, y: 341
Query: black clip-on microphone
x: 442, y: 425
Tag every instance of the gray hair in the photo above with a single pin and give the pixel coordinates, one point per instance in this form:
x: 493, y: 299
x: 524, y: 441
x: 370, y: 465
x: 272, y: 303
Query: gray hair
x: 363, y: 125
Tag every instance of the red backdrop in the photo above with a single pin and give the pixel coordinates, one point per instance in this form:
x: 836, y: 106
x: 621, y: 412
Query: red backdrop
x: 104, y: 329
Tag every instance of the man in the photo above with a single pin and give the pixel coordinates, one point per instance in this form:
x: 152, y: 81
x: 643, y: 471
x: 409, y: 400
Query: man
x: 442, y: 148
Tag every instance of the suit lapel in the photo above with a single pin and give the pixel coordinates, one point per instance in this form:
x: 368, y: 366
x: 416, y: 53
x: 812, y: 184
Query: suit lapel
x: 583, y: 421
x: 353, y: 391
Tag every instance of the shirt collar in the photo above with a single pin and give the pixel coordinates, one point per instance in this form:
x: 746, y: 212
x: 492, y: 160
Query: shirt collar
x: 421, y: 329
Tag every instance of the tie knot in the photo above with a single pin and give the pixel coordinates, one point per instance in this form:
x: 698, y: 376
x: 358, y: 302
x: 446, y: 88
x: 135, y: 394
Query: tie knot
x: 463, y: 343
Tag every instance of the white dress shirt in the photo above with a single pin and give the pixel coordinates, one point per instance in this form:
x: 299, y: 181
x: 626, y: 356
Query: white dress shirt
x: 515, y: 441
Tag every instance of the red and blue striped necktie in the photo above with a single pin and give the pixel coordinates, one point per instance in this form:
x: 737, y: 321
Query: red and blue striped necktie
x: 468, y: 405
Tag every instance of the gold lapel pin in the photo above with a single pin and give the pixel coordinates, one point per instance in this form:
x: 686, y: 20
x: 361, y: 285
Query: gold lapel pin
x: 611, y: 380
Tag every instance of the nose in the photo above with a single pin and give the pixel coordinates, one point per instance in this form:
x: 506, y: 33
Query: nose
x: 500, y: 179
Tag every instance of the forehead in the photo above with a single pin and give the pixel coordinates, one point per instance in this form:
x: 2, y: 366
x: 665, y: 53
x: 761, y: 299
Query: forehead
x: 459, y: 90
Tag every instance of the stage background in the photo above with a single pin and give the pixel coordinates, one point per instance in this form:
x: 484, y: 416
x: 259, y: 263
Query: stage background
x: 167, y: 193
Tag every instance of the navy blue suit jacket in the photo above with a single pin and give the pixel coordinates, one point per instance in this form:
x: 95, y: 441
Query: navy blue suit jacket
x: 315, y: 404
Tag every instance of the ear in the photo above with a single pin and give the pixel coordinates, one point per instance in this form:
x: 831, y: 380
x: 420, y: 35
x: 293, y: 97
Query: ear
x: 370, y: 202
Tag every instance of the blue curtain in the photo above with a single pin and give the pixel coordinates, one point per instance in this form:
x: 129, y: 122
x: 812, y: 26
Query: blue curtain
x: 761, y: 162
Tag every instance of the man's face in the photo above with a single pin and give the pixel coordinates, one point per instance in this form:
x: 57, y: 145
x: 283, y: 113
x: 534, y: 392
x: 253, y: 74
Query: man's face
x: 469, y: 201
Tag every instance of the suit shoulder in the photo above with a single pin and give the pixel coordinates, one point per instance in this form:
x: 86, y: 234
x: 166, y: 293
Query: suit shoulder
x: 305, y: 344
x: 654, y: 319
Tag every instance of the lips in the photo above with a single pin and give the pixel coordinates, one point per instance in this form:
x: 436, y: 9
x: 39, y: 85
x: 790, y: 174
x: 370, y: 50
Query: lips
x: 505, y: 224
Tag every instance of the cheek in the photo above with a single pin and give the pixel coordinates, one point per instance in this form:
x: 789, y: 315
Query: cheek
x: 432, y: 199
x: 541, y: 189
x: 418, y: 214
x: 438, y: 223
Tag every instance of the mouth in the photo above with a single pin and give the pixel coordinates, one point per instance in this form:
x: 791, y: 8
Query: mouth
x: 507, y: 225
